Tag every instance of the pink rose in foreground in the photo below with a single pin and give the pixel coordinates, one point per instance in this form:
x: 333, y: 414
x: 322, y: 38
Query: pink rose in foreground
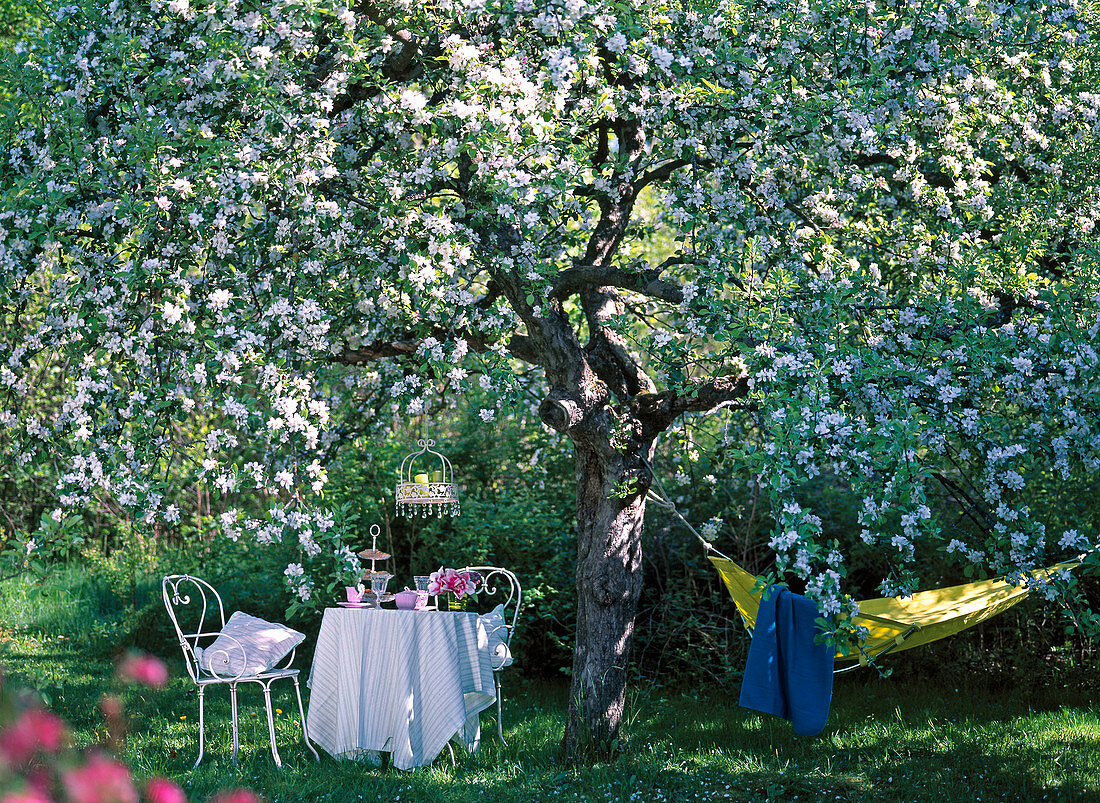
x: 236, y: 796
x: 101, y: 780
x: 144, y: 669
x: 36, y: 730
x: 162, y: 790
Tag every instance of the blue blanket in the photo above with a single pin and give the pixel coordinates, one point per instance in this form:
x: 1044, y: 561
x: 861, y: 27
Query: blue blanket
x: 786, y: 673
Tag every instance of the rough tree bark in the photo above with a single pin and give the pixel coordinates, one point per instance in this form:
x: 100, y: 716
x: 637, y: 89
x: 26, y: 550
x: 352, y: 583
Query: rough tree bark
x: 613, y: 446
x: 611, y: 489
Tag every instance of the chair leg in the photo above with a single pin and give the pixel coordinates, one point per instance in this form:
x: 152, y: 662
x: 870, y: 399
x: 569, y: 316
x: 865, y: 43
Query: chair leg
x: 271, y: 724
x: 233, y: 713
x: 500, y: 715
x: 302, y: 718
x: 198, y: 760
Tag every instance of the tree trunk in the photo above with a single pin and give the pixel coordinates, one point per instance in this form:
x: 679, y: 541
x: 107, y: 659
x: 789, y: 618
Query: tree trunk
x: 609, y: 583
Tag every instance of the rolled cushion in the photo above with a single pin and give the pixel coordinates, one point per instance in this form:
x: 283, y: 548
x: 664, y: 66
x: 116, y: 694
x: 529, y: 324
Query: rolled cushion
x: 255, y: 646
x: 497, y: 630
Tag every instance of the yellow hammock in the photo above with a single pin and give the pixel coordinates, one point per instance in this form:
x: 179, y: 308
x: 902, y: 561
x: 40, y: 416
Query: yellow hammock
x: 899, y: 624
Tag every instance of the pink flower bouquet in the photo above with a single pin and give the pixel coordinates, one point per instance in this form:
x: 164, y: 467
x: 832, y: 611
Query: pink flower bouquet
x: 461, y: 584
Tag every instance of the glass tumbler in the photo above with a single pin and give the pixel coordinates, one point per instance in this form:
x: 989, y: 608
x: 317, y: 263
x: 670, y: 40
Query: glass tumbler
x: 421, y: 581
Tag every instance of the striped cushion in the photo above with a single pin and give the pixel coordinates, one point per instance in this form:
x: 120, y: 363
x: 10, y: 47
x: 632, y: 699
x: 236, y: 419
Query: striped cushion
x: 497, y: 630
x: 256, y: 646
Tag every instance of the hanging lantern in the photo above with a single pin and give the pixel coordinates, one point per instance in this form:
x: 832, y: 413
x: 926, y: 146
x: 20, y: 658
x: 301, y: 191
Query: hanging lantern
x: 425, y: 484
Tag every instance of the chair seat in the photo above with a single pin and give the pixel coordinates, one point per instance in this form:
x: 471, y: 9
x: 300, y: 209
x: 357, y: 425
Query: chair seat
x: 270, y: 674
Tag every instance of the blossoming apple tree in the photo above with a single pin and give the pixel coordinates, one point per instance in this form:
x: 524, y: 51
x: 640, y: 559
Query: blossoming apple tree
x: 868, y: 226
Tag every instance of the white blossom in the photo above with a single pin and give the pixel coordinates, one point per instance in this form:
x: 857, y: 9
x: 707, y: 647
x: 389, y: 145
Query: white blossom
x: 219, y: 299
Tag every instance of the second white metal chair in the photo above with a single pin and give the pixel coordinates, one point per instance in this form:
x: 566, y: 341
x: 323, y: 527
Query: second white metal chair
x: 502, y: 586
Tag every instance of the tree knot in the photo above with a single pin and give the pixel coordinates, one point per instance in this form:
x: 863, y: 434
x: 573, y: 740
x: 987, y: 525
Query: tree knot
x: 560, y: 412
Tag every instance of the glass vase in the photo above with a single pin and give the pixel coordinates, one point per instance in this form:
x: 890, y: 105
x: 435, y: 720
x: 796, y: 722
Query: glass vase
x: 454, y: 603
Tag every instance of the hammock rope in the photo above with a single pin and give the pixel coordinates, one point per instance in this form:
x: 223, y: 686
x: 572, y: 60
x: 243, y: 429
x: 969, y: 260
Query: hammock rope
x: 662, y: 500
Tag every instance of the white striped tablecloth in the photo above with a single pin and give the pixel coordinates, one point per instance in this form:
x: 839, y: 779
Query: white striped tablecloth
x: 397, y: 681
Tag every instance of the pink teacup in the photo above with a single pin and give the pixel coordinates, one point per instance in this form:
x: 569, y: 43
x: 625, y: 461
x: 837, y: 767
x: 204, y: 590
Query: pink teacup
x: 355, y: 593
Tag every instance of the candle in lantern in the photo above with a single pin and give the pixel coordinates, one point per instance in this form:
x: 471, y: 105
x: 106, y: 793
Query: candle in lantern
x: 437, y: 475
x: 421, y: 478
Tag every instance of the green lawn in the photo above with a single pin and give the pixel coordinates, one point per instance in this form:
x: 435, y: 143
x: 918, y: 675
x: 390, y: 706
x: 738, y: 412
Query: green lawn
x: 886, y: 741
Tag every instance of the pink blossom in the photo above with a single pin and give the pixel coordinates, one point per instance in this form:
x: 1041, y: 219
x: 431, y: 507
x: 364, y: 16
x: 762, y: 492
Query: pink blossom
x: 162, y: 790
x: 144, y: 669
x: 435, y: 582
x: 458, y: 583
x: 236, y: 796
x: 39, y: 781
x: 36, y: 730
x: 101, y: 780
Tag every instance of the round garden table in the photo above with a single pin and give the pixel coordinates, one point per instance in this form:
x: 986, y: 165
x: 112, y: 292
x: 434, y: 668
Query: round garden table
x: 398, y: 681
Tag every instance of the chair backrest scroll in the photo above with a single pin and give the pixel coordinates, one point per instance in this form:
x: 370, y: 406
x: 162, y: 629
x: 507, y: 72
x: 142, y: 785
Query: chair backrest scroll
x: 501, y: 585
x: 189, y: 597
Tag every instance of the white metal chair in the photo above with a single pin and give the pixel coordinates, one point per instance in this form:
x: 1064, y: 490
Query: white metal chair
x: 180, y: 591
x: 502, y: 586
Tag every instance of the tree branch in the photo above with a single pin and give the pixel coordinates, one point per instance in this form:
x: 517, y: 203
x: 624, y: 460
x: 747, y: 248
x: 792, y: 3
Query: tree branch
x: 519, y: 346
x: 404, y: 63
x: 377, y: 350
x: 647, y: 282
x: 607, y: 352
x: 492, y: 293
x: 1007, y: 305
x: 602, y: 148
x: 658, y: 410
x: 615, y: 208
x: 937, y: 178
x: 970, y: 507
x: 560, y: 412
x: 661, y: 172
